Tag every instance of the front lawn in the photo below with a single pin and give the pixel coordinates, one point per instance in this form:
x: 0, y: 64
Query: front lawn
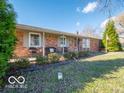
x: 98, y: 74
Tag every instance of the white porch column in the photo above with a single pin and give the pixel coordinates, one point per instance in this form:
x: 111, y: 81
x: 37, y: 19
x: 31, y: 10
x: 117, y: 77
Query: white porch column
x: 77, y: 41
x: 63, y: 45
x: 43, y: 43
x: 77, y: 44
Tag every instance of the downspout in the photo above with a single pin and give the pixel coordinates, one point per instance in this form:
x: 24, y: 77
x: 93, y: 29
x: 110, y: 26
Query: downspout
x: 77, y: 42
x: 63, y: 50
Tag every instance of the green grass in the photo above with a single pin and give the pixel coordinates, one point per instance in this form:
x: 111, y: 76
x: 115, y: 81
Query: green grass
x: 98, y: 74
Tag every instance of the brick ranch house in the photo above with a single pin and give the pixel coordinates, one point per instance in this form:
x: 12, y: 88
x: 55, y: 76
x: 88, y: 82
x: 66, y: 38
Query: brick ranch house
x: 39, y: 41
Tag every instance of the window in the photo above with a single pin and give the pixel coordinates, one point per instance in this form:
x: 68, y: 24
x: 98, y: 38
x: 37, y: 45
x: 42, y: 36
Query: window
x: 62, y: 40
x: 34, y: 39
x: 86, y: 43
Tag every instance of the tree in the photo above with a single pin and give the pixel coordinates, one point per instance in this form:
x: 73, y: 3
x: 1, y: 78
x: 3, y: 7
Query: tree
x: 110, y: 6
x: 7, y: 35
x: 89, y: 31
x: 110, y: 37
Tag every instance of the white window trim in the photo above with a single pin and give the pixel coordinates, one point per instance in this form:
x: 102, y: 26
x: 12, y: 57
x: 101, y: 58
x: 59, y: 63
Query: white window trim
x: 30, y: 39
x: 86, y: 43
x: 65, y: 45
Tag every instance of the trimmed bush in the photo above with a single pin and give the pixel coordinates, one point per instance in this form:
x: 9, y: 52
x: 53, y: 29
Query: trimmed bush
x: 41, y: 60
x: 74, y: 54
x: 83, y: 53
x: 53, y: 57
x: 71, y: 55
x: 68, y: 56
x: 22, y: 63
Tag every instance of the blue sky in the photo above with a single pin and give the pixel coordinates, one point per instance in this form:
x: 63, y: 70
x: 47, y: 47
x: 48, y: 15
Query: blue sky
x: 63, y: 15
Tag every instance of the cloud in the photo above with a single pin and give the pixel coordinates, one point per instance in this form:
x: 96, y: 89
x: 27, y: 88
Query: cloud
x: 90, y: 7
x: 103, y: 24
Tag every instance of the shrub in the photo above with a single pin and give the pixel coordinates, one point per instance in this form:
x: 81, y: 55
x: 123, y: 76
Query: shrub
x: 71, y: 55
x: 2, y: 82
x: 86, y: 53
x: 41, y: 60
x: 22, y: 63
x: 74, y: 54
x: 12, y: 67
x: 53, y: 57
x: 83, y: 53
x: 68, y: 56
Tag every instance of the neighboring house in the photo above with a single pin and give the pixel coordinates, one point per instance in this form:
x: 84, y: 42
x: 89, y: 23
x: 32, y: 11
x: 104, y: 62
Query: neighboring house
x: 40, y: 41
x: 121, y: 38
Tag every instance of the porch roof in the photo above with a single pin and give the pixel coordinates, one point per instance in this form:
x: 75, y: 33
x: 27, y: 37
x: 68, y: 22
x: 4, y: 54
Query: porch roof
x: 39, y: 29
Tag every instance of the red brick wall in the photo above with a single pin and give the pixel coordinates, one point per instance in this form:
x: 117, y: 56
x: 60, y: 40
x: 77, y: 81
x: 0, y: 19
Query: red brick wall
x: 51, y: 41
x: 20, y: 50
x: 72, y: 43
x: 94, y: 44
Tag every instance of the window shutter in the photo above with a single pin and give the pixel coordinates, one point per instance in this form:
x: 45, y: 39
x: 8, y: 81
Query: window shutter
x: 58, y: 42
x: 88, y: 43
x: 67, y: 42
x: 26, y: 39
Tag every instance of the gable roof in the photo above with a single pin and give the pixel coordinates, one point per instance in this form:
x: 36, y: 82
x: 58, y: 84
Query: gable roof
x: 39, y: 29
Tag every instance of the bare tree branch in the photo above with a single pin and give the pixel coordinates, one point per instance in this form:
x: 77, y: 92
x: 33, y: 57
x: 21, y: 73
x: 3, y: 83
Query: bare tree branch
x: 110, y: 6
